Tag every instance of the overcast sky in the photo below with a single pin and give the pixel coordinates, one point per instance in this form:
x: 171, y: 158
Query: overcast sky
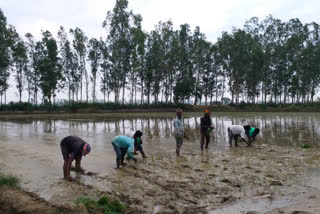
x: 213, y: 16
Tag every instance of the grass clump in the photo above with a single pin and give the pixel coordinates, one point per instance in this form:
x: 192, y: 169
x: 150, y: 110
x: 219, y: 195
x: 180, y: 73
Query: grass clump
x: 306, y: 146
x: 9, y: 180
x: 102, y: 205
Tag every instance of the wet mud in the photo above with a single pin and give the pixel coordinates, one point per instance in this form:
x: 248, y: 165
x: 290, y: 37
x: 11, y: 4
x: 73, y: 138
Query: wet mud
x: 16, y: 201
x: 276, y: 175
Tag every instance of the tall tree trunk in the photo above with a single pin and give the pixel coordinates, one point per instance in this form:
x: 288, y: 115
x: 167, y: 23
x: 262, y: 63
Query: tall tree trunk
x: 142, y: 91
x: 87, y: 85
x: 135, y: 94
x: 123, y: 90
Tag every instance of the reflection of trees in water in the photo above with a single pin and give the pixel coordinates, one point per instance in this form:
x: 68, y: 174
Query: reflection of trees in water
x: 282, y: 129
x: 49, y: 126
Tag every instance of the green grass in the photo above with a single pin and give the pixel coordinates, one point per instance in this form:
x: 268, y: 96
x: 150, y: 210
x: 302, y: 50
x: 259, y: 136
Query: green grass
x: 306, y: 146
x: 103, y: 204
x: 9, y: 180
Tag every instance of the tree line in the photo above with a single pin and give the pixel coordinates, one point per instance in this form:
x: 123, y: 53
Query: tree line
x: 266, y: 61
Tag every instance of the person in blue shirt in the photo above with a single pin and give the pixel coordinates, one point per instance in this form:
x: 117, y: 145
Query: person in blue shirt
x: 123, y: 145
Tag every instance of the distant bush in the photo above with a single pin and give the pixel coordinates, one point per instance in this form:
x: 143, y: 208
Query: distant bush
x: 9, y: 180
x: 306, y: 146
x: 71, y: 107
x: 76, y: 106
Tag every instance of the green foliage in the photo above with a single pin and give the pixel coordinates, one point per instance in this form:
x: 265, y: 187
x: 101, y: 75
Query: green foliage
x: 72, y: 107
x: 84, y: 200
x: 306, y: 146
x: 9, y: 180
x: 103, y: 200
x: 104, y: 204
x: 268, y: 61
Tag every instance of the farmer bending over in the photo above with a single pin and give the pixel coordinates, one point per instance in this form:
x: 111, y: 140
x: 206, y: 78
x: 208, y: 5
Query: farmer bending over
x: 235, y: 131
x: 73, y: 147
x: 123, y: 145
x: 253, y: 132
x: 138, y: 143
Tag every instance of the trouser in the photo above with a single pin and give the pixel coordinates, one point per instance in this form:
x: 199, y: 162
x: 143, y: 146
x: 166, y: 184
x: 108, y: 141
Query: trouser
x: 204, y: 137
x: 120, y: 152
x: 231, y: 137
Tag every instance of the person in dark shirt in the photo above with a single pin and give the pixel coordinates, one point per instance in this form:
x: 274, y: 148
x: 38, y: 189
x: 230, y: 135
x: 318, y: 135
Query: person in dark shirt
x: 206, y: 128
x: 73, y: 148
x: 138, y: 143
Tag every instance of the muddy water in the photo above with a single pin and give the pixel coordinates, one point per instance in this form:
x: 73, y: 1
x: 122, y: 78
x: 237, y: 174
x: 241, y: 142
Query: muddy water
x: 29, y: 148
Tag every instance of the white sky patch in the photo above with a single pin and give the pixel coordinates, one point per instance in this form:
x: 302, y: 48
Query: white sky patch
x: 37, y: 26
x: 212, y: 16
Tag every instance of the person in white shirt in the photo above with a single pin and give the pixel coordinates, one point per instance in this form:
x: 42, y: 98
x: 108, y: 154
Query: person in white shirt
x: 179, y: 133
x: 235, y: 131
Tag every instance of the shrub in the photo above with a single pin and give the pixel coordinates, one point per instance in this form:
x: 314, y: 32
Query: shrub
x: 102, y: 203
x: 9, y: 180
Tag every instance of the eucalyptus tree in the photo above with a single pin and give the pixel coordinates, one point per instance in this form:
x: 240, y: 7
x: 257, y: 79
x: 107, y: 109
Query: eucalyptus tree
x: 200, y: 49
x: 276, y: 36
x: 69, y: 64
x: 172, y: 65
x: 105, y: 65
x: 117, y: 24
x: 79, y: 43
x: 184, y: 86
x: 19, y: 61
x: 168, y: 46
x: 138, y: 38
x: 50, y: 69
x: 94, y: 58
x: 210, y: 75
x: 152, y: 52
x: 156, y: 57
x: 33, y: 76
x: 311, y: 58
x: 30, y: 71
x: 4, y: 57
x: 254, y: 72
x: 226, y: 48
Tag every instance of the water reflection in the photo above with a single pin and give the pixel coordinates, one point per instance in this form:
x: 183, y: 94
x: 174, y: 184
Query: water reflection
x: 281, y: 129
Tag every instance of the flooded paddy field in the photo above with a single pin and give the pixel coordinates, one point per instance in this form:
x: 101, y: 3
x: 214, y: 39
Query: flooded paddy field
x: 276, y: 175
